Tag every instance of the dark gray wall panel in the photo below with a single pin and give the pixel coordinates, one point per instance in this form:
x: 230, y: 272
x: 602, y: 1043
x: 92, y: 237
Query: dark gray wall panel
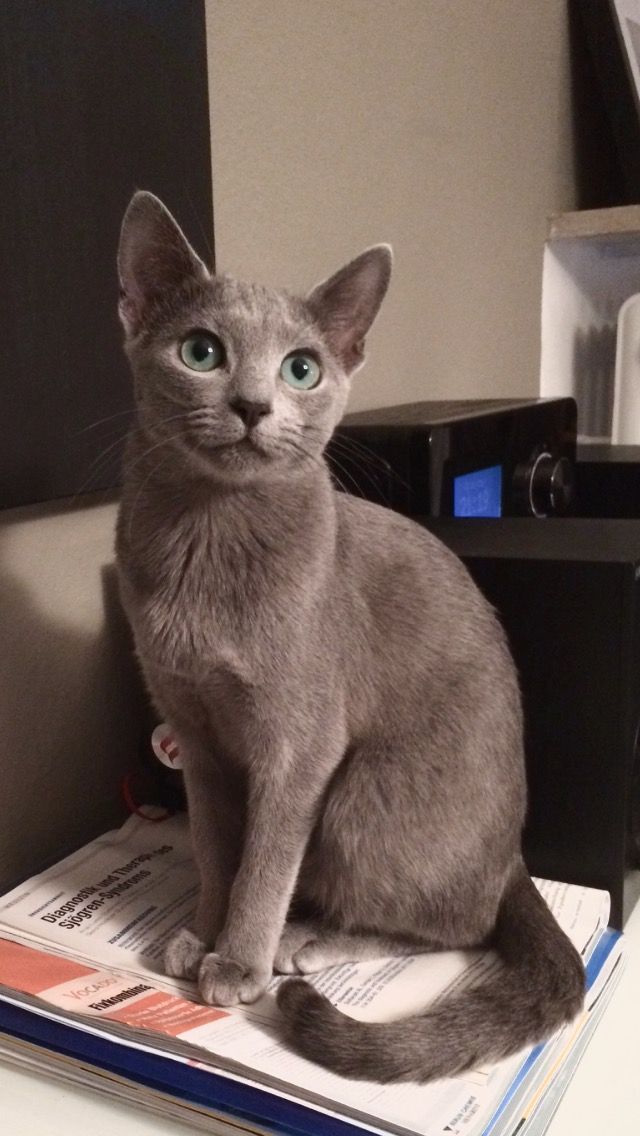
x: 97, y: 98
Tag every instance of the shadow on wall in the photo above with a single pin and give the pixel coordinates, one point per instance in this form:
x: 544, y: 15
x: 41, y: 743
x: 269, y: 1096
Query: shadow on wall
x: 72, y: 705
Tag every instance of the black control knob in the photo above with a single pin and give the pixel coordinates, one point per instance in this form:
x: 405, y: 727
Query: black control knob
x: 543, y: 486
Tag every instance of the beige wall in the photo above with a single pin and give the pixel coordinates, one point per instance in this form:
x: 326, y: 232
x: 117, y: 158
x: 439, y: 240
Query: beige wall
x: 440, y: 126
x: 70, y: 700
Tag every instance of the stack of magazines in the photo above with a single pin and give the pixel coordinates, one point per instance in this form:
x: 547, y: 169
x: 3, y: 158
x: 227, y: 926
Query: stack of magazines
x: 83, y: 999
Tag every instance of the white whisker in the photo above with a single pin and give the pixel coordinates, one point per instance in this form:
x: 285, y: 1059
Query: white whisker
x: 101, y: 421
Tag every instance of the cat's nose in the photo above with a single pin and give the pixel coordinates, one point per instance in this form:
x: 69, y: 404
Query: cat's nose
x: 249, y: 410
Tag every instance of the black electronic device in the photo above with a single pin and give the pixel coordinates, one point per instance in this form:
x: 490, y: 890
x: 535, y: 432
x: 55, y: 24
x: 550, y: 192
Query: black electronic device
x: 607, y: 480
x: 568, y: 595
x: 482, y: 458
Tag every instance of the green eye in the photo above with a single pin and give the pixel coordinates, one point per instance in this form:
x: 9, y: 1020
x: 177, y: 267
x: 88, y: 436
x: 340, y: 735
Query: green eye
x: 202, y: 351
x: 300, y: 371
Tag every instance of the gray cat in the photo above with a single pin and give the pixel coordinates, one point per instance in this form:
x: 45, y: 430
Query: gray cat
x: 343, y: 695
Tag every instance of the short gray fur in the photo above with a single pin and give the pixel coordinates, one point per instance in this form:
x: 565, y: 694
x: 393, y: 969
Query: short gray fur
x: 344, y: 698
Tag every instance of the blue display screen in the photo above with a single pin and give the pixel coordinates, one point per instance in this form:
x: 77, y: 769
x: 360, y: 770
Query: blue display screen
x: 478, y: 494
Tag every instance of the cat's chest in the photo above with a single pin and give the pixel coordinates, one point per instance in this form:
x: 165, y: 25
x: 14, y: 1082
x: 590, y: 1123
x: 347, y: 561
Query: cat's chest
x: 197, y: 613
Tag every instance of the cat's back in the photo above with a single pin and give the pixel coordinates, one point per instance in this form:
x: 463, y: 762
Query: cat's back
x: 395, y: 556
x: 421, y: 610
x: 421, y: 638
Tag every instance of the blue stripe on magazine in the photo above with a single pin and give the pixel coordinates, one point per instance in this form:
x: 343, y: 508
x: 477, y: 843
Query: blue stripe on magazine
x: 214, y: 1091
x: 195, y: 1086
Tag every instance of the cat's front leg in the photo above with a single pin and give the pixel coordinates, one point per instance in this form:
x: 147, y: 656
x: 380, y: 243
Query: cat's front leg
x: 281, y: 811
x: 216, y: 820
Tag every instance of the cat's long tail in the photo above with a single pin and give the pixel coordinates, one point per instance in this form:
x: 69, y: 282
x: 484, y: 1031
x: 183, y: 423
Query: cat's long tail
x: 539, y: 989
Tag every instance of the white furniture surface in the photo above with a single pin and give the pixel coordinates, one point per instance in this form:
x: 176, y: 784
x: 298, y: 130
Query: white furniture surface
x: 602, y: 1097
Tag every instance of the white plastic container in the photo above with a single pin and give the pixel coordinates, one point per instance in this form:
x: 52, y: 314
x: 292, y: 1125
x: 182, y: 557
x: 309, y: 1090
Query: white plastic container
x: 625, y: 428
x: 591, y: 268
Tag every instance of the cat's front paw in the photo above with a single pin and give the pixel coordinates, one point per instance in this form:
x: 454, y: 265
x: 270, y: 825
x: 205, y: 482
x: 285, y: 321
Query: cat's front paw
x: 224, y: 982
x: 183, y: 955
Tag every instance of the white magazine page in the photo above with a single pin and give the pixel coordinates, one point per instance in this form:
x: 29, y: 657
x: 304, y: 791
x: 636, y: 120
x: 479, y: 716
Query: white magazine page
x: 118, y: 901
x: 464, y: 1108
x: 247, y: 1040
x: 115, y: 903
x: 456, y: 1105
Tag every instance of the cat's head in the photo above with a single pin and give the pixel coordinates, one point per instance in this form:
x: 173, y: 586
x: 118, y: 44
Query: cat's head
x: 242, y: 381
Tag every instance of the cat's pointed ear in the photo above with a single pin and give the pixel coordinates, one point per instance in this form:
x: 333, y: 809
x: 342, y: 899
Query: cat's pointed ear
x: 154, y: 257
x: 345, y: 305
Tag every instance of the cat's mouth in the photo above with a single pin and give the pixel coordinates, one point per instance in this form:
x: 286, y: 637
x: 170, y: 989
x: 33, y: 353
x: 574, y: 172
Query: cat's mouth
x: 232, y: 449
x: 248, y: 442
x: 238, y: 453
x: 245, y: 445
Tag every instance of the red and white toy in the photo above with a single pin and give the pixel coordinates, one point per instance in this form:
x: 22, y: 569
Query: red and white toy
x: 165, y: 746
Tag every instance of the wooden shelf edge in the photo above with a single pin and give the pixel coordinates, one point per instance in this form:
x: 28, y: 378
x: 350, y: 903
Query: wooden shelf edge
x: 614, y: 222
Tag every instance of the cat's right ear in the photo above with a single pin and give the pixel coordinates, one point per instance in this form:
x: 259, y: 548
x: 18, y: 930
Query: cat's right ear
x: 154, y: 257
x: 345, y: 305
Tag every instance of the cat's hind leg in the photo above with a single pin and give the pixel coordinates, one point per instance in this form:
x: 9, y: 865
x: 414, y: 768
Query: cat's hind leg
x: 305, y: 948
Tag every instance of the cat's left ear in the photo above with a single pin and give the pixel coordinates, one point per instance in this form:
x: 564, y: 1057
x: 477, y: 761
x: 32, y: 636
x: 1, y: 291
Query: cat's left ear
x: 345, y: 305
x: 154, y: 258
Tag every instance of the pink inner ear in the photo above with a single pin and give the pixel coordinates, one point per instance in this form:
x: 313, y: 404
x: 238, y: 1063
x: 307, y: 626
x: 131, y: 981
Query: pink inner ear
x: 340, y: 337
x: 154, y: 257
x: 131, y: 301
x: 129, y: 313
x: 350, y: 354
x: 347, y: 303
x: 357, y: 352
